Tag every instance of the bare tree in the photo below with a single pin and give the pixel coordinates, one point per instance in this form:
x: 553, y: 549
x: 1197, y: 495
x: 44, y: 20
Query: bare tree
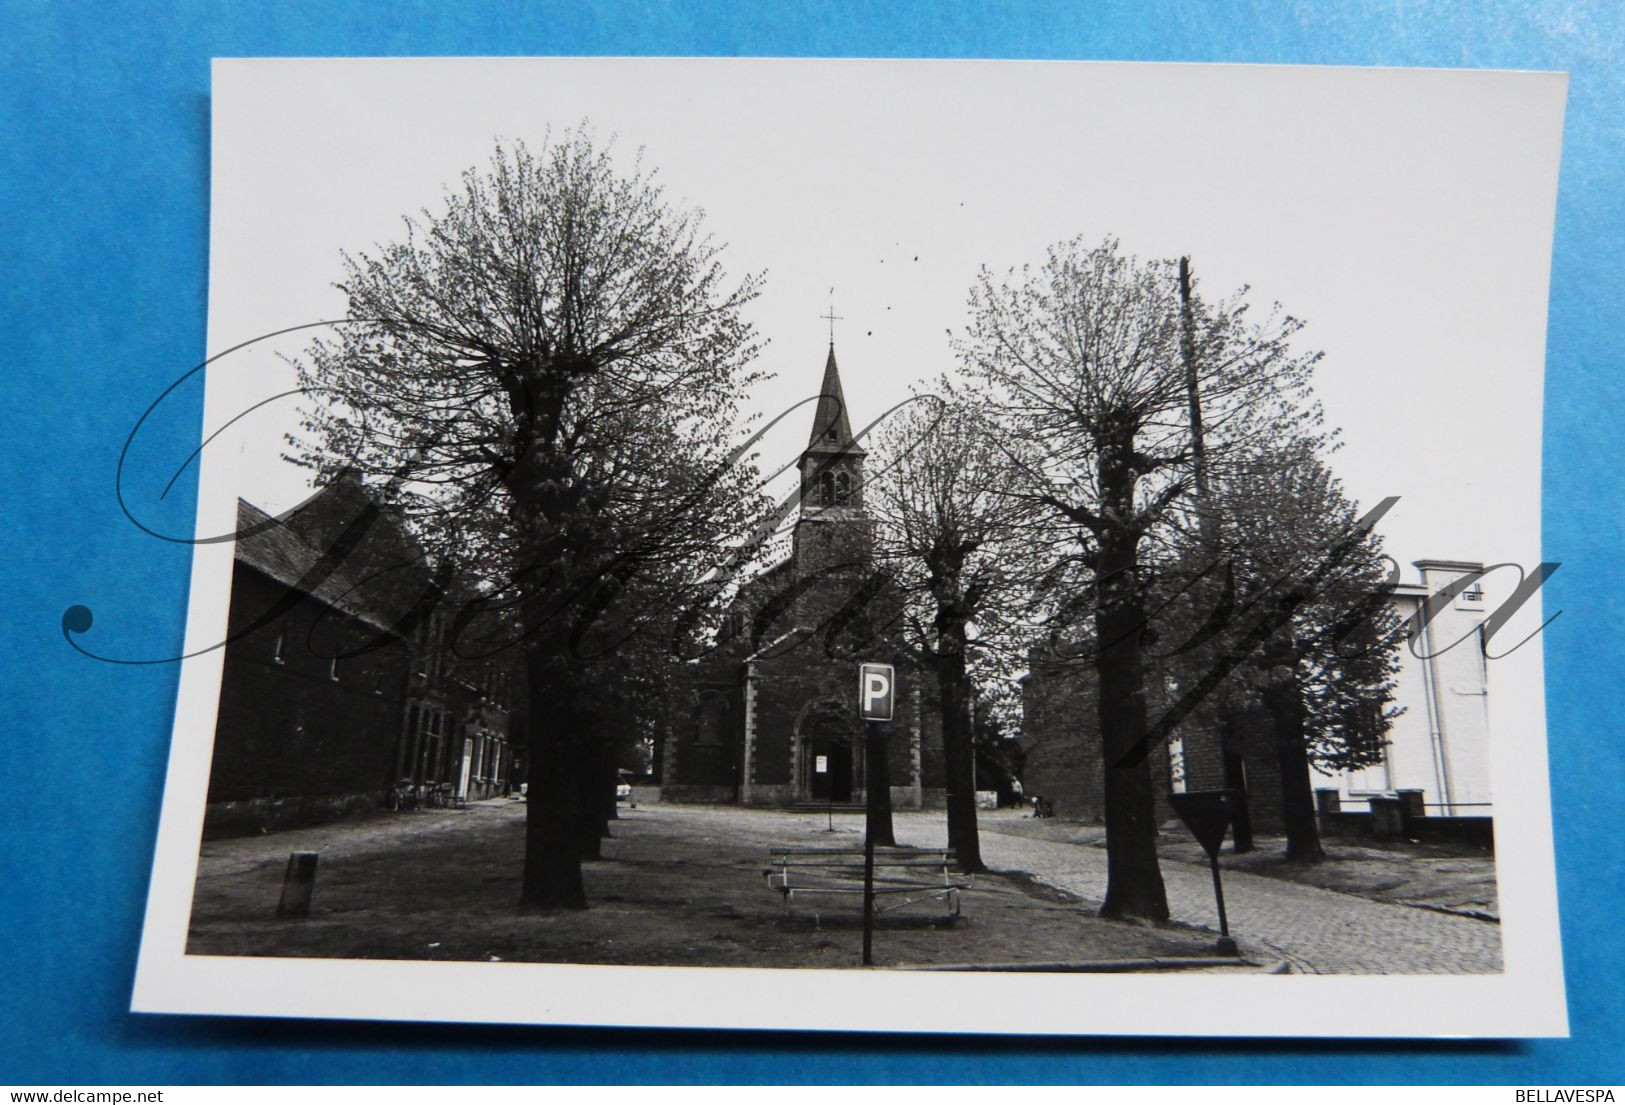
x: 546, y: 373
x: 1081, y: 359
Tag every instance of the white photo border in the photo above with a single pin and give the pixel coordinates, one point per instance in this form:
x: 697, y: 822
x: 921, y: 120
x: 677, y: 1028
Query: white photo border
x: 1525, y: 1000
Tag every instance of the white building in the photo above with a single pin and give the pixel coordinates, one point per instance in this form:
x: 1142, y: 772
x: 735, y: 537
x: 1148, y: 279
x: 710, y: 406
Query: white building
x: 1440, y: 745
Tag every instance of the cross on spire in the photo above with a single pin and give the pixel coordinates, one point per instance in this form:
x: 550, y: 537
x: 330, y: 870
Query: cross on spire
x: 832, y: 316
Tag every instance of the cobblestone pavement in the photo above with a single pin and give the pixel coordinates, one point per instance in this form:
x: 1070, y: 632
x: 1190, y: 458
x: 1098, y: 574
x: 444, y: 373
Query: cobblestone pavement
x: 1316, y: 931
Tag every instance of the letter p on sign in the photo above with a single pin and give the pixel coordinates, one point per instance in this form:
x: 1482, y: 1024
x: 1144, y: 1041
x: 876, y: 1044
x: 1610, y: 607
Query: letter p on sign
x: 875, y: 686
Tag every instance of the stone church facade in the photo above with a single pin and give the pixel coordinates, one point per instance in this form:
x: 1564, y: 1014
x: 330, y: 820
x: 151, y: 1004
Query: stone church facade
x: 773, y: 717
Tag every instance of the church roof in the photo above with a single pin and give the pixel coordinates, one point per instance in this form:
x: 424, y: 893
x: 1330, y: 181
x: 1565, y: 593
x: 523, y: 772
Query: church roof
x: 831, y: 414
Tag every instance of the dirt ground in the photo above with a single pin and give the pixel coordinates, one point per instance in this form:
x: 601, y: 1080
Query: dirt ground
x: 1455, y: 879
x: 679, y: 885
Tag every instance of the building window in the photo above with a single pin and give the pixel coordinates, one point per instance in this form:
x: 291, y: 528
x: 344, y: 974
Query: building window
x: 843, y: 489
x: 826, y: 487
x: 427, y: 666
x: 429, y: 764
x: 409, y: 742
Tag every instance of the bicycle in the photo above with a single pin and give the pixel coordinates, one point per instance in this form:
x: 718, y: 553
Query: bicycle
x: 403, y: 794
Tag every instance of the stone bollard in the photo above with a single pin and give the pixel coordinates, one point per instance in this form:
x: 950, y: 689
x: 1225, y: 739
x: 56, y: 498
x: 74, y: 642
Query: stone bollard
x: 1411, y: 810
x: 1387, y: 818
x: 298, y: 883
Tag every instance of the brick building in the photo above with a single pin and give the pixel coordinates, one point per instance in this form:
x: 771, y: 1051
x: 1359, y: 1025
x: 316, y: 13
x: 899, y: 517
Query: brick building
x: 1060, y: 738
x: 313, y: 723
x: 1438, y: 748
x: 777, y: 701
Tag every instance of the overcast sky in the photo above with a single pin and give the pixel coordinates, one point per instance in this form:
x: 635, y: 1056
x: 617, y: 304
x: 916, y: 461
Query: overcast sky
x: 1405, y: 215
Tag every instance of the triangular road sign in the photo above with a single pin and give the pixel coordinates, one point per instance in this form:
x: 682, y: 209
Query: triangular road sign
x: 1207, y: 814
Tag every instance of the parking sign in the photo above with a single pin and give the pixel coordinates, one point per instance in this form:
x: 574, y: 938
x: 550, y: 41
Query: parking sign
x: 876, y: 686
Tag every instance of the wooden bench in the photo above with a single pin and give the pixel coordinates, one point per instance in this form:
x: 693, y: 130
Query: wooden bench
x: 903, y: 876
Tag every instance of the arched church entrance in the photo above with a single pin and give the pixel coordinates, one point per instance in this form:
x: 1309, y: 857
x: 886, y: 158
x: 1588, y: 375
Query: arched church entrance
x: 828, y: 740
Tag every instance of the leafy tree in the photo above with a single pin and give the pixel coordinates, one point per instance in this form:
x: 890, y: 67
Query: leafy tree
x: 1325, y: 677
x: 999, y: 755
x: 1082, y: 363
x: 545, y: 375
x: 959, y: 547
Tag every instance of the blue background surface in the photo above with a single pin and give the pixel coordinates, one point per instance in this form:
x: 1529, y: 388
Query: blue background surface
x: 104, y: 121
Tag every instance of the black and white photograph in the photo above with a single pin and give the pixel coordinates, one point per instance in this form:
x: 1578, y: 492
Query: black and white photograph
x: 945, y: 546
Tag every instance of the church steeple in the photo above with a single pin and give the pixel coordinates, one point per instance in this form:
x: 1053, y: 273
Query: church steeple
x: 833, y: 529
x: 831, y: 428
x: 832, y: 466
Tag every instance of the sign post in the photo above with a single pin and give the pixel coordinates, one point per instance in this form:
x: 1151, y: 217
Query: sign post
x: 868, y: 866
x: 821, y: 767
x: 1207, y: 814
x: 876, y: 691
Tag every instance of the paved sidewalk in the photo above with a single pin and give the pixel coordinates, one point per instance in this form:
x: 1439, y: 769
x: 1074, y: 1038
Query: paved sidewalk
x: 1318, y: 931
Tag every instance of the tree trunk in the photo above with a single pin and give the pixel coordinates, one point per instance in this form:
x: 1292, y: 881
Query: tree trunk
x: 1134, y: 886
x: 601, y: 790
x: 1235, y: 778
x: 877, y: 781
x: 612, y: 776
x: 591, y: 837
x: 552, y: 871
x: 597, y: 794
x: 1292, y: 761
x: 543, y: 494
x: 958, y: 746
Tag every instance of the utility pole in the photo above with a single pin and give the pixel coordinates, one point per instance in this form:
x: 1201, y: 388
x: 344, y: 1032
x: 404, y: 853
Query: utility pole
x: 1234, y: 770
x: 1187, y: 354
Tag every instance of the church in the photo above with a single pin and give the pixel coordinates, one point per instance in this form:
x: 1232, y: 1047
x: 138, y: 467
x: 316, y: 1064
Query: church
x: 773, y: 714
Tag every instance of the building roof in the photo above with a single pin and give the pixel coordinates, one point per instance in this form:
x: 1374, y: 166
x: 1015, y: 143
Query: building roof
x: 1452, y: 565
x: 377, y: 583
x: 323, y: 518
